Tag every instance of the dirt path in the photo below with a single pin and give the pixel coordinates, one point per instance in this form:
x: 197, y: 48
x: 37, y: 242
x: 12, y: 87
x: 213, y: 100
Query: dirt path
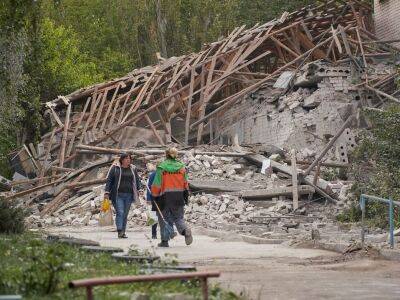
x: 268, y: 271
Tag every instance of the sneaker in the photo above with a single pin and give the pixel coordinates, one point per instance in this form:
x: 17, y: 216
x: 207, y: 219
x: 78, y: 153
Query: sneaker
x: 123, y: 236
x: 188, y: 236
x: 163, y: 244
x: 120, y: 233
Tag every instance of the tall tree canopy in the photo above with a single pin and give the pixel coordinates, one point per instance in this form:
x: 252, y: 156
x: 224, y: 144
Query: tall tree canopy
x: 52, y: 47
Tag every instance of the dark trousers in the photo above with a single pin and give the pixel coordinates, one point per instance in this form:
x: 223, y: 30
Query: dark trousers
x: 173, y: 215
x: 154, y: 230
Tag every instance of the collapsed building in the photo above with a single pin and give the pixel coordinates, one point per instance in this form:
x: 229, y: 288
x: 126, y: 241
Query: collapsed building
x: 256, y: 115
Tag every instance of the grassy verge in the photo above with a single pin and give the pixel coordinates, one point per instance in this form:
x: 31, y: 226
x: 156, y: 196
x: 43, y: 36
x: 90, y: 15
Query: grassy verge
x: 39, y: 270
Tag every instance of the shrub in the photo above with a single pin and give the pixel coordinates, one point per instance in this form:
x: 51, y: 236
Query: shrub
x: 11, y: 217
x: 376, y: 166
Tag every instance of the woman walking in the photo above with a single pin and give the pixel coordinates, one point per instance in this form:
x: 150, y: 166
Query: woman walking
x: 122, y: 186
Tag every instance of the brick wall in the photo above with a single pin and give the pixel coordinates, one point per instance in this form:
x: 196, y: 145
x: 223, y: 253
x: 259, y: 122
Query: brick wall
x: 387, y: 19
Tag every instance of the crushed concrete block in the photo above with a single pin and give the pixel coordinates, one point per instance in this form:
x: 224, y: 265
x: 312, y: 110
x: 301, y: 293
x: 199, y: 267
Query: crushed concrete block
x: 226, y: 159
x: 215, y: 162
x: 207, y: 164
x: 217, y: 172
x: 284, y: 79
x: 222, y: 208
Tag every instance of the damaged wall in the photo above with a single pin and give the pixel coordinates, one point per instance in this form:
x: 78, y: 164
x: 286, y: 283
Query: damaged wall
x: 387, y: 21
x: 323, y: 97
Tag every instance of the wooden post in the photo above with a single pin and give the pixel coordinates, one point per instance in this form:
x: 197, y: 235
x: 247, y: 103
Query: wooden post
x: 154, y: 129
x: 295, y: 183
x: 315, y: 181
x: 71, y: 143
x: 43, y: 169
x: 64, y: 137
x: 189, y: 106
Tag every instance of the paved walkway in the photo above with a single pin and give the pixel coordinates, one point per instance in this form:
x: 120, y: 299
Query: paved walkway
x: 261, y: 271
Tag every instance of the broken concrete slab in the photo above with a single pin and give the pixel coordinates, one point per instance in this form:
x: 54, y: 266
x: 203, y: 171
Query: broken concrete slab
x: 217, y: 186
x: 275, y: 192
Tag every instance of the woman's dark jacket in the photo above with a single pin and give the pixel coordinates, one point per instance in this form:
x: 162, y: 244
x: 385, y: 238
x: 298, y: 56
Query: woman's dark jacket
x: 114, y: 179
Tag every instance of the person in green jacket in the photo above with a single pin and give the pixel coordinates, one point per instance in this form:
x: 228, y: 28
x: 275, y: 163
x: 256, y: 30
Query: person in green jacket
x: 171, y: 186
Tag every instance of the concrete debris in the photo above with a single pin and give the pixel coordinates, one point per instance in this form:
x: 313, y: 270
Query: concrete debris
x: 306, y: 95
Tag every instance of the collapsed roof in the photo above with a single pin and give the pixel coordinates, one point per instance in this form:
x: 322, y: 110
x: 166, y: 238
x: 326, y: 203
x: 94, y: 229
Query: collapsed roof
x: 179, y: 99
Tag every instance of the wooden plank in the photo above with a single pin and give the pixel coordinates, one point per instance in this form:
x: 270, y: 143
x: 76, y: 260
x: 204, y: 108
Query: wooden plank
x: 55, y: 116
x: 110, y: 106
x: 30, y: 191
x: 184, y: 68
x: 167, y: 132
x: 141, y: 95
x: 92, y: 111
x: 111, y: 123
x: 43, y: 169
x: 361, y: 48
x: 315, y: 181
x: 71, y: 143
x: 65, y: 135
x: 153, y: 128
x: 61, y: 197
x: 232, y: 38
x: 305, y: 28
x: 100, y: 109
x: 336, y: 40
x: 390, y: 97
x: 150, y: 93
x: 345, y: 41
x: 33, y: 150
x: 206, y: 99
x: 282, y: 45
x: 122, y: 111
x: 189, y: 106
x: 317, y: 53
x: 295, y: 183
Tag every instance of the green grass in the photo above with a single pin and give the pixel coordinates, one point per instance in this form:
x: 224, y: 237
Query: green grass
x: 39, y: 270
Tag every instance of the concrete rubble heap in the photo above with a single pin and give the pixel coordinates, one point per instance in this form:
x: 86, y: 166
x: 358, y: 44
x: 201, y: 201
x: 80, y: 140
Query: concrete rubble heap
x: 242, y: 112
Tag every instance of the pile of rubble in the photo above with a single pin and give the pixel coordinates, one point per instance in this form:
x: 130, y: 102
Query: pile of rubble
x: 286, y: 96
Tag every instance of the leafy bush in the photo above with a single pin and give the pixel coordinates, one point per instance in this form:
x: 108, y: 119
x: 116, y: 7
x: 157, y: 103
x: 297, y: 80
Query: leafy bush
x: 46, y: 261
x: 376, y: 166
x: 11, y: 217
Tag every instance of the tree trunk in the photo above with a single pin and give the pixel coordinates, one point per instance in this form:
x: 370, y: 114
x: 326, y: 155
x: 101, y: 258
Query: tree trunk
x: 162, y: 28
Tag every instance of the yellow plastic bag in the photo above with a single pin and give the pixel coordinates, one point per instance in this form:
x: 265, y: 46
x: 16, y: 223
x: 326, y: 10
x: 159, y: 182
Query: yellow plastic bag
x: 105, y: 205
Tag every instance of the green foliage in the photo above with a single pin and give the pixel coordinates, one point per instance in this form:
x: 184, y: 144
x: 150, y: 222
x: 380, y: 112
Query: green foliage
x: 11, y: 217
x: 64, y: 67
x: 376, y: 167
x: 40, y: 270
x: 46, y: 261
